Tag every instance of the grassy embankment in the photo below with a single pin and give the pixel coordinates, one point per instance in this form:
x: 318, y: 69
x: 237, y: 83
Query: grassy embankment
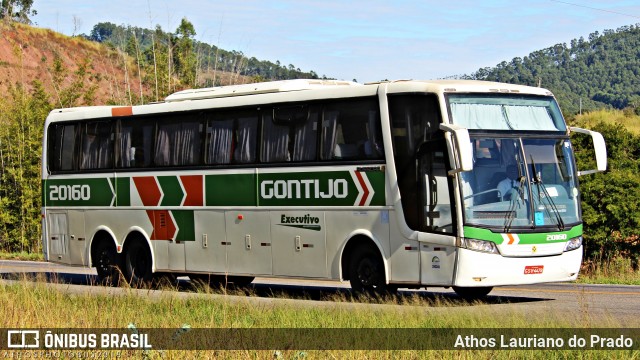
x: 34, y: 305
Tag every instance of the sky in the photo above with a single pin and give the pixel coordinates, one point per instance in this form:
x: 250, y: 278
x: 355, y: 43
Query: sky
x: 367, y: 40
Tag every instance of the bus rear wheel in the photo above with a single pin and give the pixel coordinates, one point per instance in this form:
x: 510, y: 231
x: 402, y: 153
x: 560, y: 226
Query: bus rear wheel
x: 138, y: 264
x: 240, y: 281
x: 472, y: 293
x: 105, y: 260
x: 366, y: 272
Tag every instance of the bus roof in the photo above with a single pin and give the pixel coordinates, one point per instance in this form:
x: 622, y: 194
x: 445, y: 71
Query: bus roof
x: 311, y: 84
x: 298, y: 90
x: 257, y: 88
x: 463, y: 86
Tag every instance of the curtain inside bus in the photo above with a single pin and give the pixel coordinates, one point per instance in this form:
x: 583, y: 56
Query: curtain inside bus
x: 178, y: 144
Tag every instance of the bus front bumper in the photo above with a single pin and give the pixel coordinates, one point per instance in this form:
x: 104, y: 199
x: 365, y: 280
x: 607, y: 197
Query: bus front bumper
x: 483, y: 269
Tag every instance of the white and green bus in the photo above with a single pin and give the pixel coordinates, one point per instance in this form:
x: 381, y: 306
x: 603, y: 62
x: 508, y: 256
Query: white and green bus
x: 389, y: 185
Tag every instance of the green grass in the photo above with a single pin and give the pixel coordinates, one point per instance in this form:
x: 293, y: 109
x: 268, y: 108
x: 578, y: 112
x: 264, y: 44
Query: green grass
x: 27, y: 304
x: 615, y: 271
x: 21, y: 256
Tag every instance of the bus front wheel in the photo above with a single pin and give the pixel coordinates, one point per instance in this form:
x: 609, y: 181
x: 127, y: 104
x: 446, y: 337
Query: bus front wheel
x: 366, y: 271
x: 472, y: 293
x: 138, y: 264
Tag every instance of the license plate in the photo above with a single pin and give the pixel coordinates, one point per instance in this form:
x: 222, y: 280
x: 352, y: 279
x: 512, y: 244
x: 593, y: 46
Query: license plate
x: 534, y: 269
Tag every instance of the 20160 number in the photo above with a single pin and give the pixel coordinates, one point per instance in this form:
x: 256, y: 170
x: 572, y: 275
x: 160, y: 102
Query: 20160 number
x: 69, y: 192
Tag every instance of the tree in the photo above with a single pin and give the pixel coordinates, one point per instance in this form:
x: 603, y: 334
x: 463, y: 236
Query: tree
x: 185, y: 56
x: 22, y: 115
x: 77, y: 24
x: 101, y: 32
x: 17, y: 10
x: 611, y: 200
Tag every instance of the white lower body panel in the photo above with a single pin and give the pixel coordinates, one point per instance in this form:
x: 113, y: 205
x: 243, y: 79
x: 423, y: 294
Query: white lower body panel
x: 482, y: 269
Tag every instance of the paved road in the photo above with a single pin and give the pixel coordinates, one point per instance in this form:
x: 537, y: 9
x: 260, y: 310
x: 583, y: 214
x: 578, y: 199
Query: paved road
x: 578, y: 304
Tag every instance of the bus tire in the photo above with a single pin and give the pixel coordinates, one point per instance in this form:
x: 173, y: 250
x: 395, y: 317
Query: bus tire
x: 366, y: 271
x: 138, y: 264
x: 472, y: 293
x: 240, y: 281
x: 105, y: 259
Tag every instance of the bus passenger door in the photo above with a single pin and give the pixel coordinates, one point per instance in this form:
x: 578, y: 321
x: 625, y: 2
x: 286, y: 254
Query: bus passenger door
x: 248, y: 243
x: 77, y: 238
x: 299, y: 247
x: 208, y: 253
x: 58, y: 237
x: 437, y: 215
x: 66, y: 237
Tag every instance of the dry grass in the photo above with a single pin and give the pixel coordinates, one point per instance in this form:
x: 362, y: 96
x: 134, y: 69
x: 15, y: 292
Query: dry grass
x: 35, y: 305
x: 614, y: 271
x: 614, y: 117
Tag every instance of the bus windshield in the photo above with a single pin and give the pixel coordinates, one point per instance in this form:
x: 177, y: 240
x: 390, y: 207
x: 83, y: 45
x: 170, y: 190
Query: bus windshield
x: 520, y: 182
x: 506, y: 112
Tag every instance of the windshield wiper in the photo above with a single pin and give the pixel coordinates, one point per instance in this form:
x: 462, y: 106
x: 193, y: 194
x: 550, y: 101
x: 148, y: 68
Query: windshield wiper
x: 511, y: 212
x: 537, y: 179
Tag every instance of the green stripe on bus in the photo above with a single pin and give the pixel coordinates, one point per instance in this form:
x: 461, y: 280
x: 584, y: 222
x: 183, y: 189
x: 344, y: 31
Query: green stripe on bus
x: 230, y: 190
x: 78, y: 192
x: 376, y: 179
x: 326, y: 188
x: 171, y: 190
x: 525, y: 238
x: 186, y: 225
x: 123, y: 191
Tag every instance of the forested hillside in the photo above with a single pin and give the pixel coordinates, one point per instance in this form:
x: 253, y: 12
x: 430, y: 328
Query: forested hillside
x: 208, y: 58
x: 601, y: 71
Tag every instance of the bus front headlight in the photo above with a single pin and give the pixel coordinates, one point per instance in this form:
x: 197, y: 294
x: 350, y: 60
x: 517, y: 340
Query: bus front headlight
x: 573, y: 244
x: 480, y: 245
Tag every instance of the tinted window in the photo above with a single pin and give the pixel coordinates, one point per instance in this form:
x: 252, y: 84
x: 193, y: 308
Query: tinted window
x: 351, y: 131
x: 134, y: 143
x: 96, y: 145
x: 62, y: 140
x: 178, y: 141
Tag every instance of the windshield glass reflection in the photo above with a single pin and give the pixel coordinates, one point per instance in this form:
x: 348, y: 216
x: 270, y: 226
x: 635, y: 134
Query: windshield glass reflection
x: 520, y: 183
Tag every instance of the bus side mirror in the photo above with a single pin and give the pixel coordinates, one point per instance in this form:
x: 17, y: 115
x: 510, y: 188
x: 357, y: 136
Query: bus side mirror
x: 599, y: 147
x: 462, y: 143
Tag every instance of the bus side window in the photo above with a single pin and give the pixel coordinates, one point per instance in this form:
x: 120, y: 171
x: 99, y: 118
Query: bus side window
x: 134, y: 139
x: 62, y: 148
x: 275, y: 140
x: 178, y: 142
x: 329, y: 123
x: 246, y: 138
x: 289, y: 133
x: 219, y: 141
x: 414, y: 121
x: 351, y: 131
x: 438, y: 212
x: 96, y: 146
x: 305, y: 138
